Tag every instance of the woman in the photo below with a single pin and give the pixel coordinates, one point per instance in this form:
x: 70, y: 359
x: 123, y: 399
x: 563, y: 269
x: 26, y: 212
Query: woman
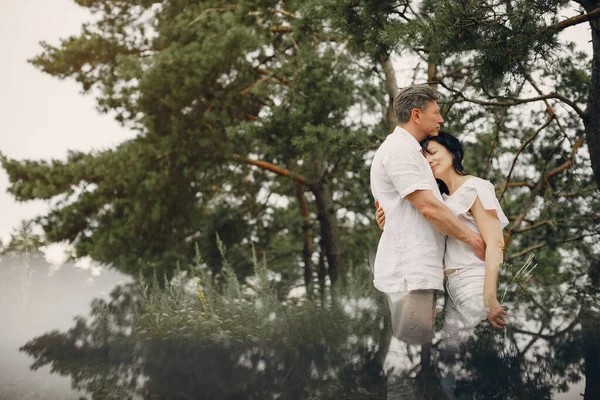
x: 471, y: 284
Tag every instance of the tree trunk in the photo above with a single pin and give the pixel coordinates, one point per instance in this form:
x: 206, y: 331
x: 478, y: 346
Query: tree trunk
x: 322, y: 272
x: 308, y: 238
x: 391, y: 86
x: 591, y: 319
x: 431, y: 72
x: 385, y: 338
x: 590, y: 327
x: 329, y: 229
x: 592, y: 121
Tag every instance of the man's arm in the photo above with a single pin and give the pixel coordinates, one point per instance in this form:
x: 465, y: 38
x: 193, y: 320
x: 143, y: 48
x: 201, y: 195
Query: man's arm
x: 409, y: 176
x: 440, y: 216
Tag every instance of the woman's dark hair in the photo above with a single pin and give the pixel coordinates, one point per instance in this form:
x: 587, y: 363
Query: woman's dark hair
x: 455, y: 148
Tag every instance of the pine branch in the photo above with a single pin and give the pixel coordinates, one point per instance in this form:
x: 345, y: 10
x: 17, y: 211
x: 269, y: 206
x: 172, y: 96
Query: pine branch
x: 515, y: 102
x: 527, y: 142
x: 520, y: 184
x: 567, y: 163
x: 281, y: 29
x: 550, y: 337
x: 218, y: 10
x: 457, y: 93
x: 563, y: 167
x: 540, y: 245
x: 579, y: 19
x: 529, y: 79
x: 249, y: 88
x: 273, y: 168
x: 279, y: 78
x: 549, y: 108
x: 285, y: 13
x: 527, y: 250
x: 539, y: 224
x: 497, y: 130
x: 453, y: 72
x: 540, y: 185
x: 573, y: 194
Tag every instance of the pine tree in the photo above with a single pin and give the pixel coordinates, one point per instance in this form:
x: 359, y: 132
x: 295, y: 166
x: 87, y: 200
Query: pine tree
x: 222, y: 97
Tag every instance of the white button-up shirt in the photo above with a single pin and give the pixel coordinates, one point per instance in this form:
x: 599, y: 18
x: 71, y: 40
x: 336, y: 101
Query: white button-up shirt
x: 411, y: 251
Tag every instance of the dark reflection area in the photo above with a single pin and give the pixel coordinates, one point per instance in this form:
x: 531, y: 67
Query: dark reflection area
x: 211, y: 337
x: 38, y: 297
x: 195, y: 339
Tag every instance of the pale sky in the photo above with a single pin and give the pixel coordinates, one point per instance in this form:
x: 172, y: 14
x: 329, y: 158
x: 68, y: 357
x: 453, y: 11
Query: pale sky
x: 43, y: 117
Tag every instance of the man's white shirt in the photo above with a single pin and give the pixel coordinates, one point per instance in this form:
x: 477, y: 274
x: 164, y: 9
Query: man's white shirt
x: 410, y: 251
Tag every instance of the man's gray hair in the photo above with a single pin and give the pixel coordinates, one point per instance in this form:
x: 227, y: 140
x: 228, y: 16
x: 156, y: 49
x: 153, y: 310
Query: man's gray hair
x: 416, y: 96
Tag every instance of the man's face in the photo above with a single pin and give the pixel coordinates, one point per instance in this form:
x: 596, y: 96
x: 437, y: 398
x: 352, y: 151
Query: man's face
x: 430, y: 119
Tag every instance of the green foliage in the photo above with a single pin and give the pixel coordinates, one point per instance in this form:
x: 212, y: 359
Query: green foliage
x: 23, y: 241
x: 504, y: 38
x: 206, y: 85
x: 214, y: 335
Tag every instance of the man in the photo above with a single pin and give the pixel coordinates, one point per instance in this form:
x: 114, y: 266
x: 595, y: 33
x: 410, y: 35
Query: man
x: 409, y: 261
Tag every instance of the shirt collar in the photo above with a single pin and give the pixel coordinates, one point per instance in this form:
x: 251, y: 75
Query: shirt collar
x: 409, y: 138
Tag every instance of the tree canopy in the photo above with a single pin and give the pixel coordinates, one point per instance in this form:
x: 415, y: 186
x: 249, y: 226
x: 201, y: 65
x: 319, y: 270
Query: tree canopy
x: 220, y: 96
x: 243, y: 112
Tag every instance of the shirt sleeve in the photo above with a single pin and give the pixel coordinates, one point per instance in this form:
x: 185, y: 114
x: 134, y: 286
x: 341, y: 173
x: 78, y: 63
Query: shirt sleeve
x: 405, y: 169
x: 487, y: 195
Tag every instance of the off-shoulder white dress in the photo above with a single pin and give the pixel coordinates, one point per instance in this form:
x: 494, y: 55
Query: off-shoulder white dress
x: 465, y: 309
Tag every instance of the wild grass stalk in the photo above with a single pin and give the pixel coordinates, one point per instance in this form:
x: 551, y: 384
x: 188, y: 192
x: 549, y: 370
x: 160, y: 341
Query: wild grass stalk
x: 516, y: 282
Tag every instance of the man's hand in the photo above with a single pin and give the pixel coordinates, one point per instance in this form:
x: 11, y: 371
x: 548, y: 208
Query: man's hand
x: 379, y: 215
x: 478, y: 245
x: 496, y: 315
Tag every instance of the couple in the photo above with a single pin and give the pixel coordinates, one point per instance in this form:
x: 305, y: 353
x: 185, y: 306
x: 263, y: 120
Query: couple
x: 451, y: 227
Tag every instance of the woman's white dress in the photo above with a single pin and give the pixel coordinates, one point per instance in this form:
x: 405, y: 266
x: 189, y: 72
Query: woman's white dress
x: 465, y: 309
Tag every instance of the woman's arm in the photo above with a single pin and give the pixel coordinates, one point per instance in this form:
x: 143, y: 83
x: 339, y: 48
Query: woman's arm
x: 489, y: 227
x: 379, y: 216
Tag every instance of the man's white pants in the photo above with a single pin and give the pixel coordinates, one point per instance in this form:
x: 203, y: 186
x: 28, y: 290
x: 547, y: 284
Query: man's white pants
x: 412, y: 315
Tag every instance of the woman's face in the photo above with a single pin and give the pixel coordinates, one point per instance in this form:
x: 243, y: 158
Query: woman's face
x: 439, y: 159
